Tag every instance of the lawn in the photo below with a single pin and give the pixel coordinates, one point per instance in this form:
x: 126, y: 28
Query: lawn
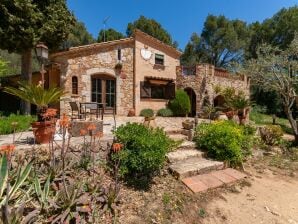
x: 263, y: 119
x: 22, y: 123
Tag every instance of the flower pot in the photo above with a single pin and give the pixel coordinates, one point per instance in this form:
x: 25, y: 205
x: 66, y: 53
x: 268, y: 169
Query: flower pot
x: 43, y: 131
x: 230, y: 114
x: 150, y: 122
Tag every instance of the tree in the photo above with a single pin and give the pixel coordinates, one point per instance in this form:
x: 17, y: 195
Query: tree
x: 278, y: 30
x: 192, y: 55
x: 276, y: 69
x: 151, y: 27
x: 221, y: 42
x: 3, y: 67
x: 78, y: 36
x: 109, y: 35
x: 24, y: 23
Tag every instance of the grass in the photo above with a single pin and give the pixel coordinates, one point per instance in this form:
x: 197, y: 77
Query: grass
x: 22, y: 123
x: 263, y: 119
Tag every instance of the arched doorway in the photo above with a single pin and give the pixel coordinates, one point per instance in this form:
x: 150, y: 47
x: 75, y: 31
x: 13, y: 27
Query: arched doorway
x: 103, y: 90
x: 193, y: 100
x: 219, y: 101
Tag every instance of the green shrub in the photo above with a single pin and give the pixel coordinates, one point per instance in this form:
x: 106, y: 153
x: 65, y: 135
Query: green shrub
x: 181, y: 104
x: 271, y: 134
x: 224, y: 140
x: 22, y: 123
x: 165, y: 112
x: 143, y: 152
x: 147, y: 113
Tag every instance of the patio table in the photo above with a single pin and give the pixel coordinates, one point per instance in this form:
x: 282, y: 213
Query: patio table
x: 92, y: 106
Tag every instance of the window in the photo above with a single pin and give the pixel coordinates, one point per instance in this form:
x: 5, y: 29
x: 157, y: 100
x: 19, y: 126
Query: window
x: 119, y: 54
x: 159, y: 59
x: 74, y: 84
x: 154, y: 91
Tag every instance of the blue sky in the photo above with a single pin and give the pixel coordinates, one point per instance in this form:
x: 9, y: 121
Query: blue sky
x: 180, y: 17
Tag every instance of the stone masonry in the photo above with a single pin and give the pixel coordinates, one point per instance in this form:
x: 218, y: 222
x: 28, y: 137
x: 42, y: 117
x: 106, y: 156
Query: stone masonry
x: 87, y: 62
x: 203, y: 79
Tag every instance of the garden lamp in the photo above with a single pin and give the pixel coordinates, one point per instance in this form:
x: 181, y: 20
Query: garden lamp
x: 42, y: 54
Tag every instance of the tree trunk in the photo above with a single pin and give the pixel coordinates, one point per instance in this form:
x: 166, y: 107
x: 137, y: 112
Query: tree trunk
x: 293, y: 124
x: 26, y: 76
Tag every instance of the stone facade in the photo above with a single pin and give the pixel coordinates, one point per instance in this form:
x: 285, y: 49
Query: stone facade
x: 99, y: 60
x: 96, y: 61
x: 203, y: 80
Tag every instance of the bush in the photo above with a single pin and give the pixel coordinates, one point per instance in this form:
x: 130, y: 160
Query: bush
x: 271, y: 134
x: 143, y: 152
x: 165, y: 112
x: 224, y: 140
x: 181, y: 104
x: 147, y: 113
x: 22, y: 123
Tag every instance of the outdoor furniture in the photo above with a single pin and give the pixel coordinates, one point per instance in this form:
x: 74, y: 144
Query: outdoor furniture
x: 75, y: 111
x: 92, y: 108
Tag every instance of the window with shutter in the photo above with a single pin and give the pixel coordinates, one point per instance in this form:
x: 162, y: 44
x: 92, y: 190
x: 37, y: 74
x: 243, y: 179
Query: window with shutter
x: 157, y: 91
x: 159, y: 59
x: 145, y: 90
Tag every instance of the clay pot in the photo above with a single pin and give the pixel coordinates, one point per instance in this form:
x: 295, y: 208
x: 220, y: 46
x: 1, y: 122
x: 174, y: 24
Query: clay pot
x: 230, y: 114
x: 43, y: 131
x: 131, y: 113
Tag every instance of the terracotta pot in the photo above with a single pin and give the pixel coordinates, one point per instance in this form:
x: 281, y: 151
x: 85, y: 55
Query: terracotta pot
x: 43, y: 131
x: 131, y: 113
x: 230, y: 114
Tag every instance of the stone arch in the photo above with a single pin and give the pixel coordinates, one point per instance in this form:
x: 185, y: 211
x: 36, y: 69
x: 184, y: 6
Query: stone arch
x: 219, y: 101
x: 193, y: 100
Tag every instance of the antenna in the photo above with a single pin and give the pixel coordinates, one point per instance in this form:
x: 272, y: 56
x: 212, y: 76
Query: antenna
x: 104, y: 27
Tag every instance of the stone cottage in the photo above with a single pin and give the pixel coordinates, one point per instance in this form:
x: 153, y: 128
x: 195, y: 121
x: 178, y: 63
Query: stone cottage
x: 132, y: 74
x: 128, y: 74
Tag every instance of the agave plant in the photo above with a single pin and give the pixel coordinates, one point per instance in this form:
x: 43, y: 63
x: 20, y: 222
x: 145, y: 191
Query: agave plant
x: 36, y: 94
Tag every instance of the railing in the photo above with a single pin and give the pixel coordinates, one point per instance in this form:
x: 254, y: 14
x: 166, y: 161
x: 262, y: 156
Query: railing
x: 188, y: 70
x: 219, y: 72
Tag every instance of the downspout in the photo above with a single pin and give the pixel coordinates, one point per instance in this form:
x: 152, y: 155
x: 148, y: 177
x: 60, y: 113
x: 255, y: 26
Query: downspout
x: 134, y: 74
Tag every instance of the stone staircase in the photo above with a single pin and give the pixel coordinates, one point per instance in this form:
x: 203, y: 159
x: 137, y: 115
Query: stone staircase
x: 197, y: 172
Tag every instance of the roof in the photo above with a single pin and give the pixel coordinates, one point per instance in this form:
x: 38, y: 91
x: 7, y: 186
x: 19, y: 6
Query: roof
x: 73, y: 50
x: 137, y: 33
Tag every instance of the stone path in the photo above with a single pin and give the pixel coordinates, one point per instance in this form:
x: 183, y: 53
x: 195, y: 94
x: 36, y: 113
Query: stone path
x: 197, y: 172
x: 214, y: 179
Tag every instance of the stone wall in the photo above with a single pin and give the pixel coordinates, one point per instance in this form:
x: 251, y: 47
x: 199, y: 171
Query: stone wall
x: 97, y: 61
x: 204, y: 80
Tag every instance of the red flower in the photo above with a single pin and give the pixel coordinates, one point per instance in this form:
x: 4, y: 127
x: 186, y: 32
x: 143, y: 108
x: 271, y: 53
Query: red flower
x: 116, y: 147
x: 64, y: 121
x: 49, y: 114
x: 7, y: 148
x: 83, y: 132
x: 91, y: 127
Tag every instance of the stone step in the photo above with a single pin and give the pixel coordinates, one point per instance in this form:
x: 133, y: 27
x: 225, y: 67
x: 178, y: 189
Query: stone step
x: 183, y: 154
x: 173, y: 131
x: 213, y: 179
x: 178, y: 137
x: 194, y: 166
x: 187, y: 145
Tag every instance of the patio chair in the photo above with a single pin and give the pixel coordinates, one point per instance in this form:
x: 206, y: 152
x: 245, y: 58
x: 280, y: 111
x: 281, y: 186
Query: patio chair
x: 75, y: 111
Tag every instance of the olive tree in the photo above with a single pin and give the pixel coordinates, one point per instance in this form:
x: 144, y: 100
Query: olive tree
x: 276, y: 69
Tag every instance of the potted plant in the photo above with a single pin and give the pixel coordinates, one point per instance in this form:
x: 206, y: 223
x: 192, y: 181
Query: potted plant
x: 44, y: 127
x: 241, y: 105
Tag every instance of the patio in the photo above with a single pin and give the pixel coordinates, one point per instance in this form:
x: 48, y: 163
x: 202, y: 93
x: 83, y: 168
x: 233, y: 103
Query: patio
x: 24, y: 140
